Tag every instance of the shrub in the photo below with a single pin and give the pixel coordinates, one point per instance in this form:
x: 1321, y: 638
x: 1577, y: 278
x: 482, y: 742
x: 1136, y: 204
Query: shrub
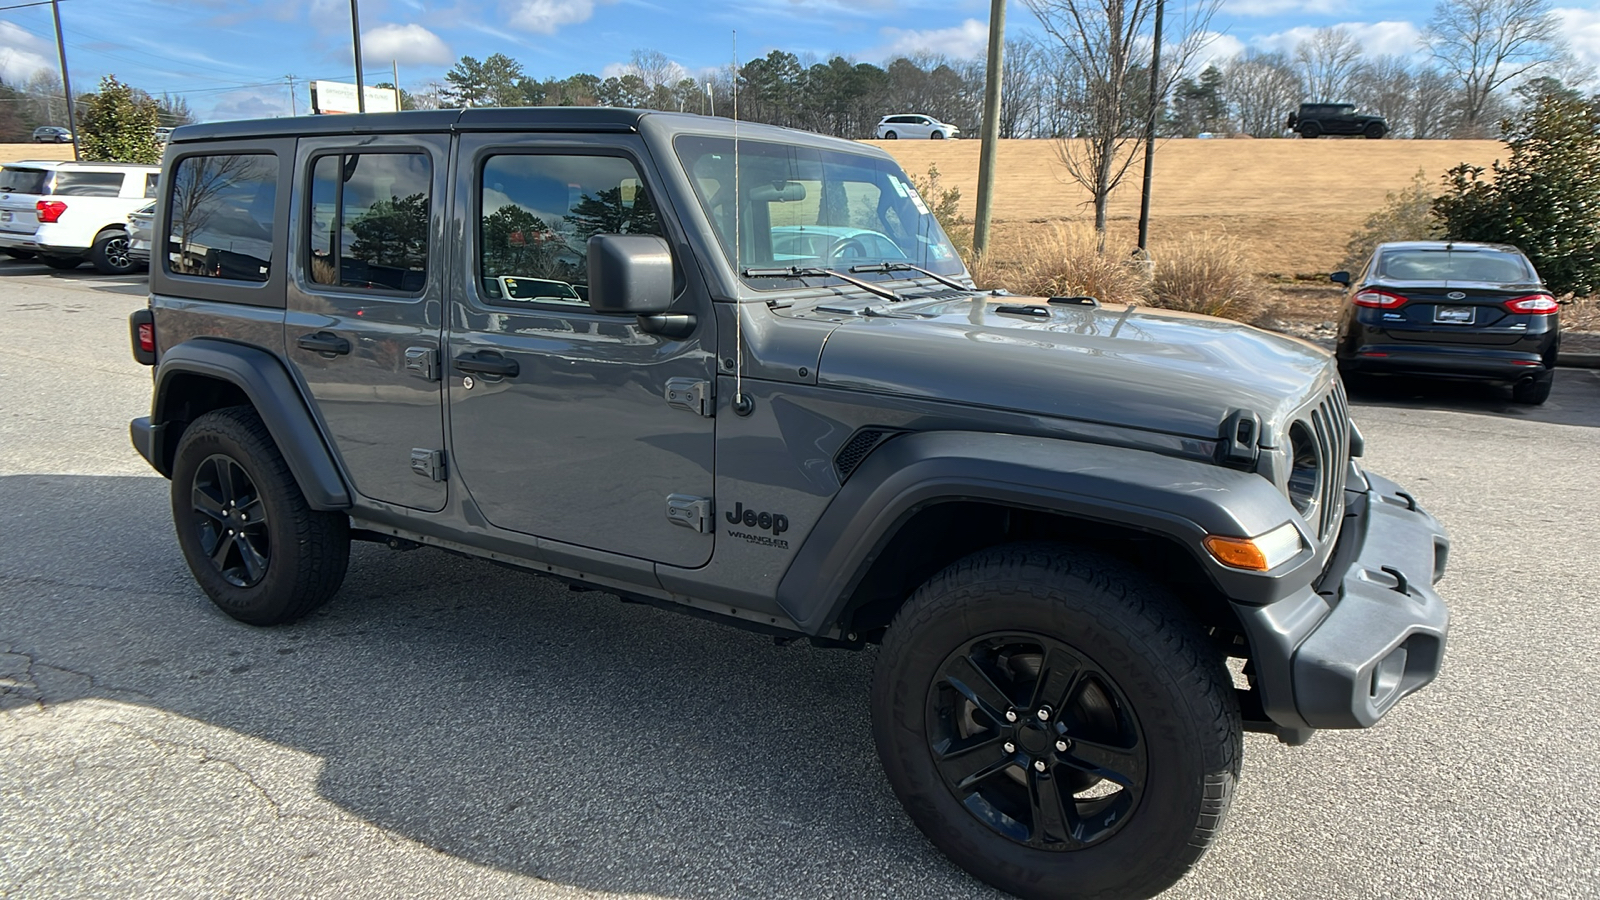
x: 945, y: 204
x: 1209, y: 274
x: 1060, y: 259
x: 1406, y: 215
x: 1545, y: 198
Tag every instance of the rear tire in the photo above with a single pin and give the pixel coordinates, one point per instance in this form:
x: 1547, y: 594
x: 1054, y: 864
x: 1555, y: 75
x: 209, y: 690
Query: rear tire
x: 257, y: 549
x: 110, y: 255
x: 1097, y: 664
x: 1534, y: 391
x: 62, y: 263
x: 1310, y: 130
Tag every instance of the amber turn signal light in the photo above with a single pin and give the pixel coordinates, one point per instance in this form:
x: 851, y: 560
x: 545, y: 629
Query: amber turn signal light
x: 1257, y: 554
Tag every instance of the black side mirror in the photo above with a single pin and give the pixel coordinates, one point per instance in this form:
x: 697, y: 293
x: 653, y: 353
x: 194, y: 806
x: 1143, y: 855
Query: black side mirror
x: 630, y: 274
x: 1340, y: 278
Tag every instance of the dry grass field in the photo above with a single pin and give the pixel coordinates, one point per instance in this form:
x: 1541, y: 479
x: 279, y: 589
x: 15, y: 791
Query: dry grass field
x: 1292, y: 203
x: 14, y: 152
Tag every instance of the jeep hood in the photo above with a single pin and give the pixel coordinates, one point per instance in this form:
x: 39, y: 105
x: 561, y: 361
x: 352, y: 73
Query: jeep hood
x: 1158, y: 370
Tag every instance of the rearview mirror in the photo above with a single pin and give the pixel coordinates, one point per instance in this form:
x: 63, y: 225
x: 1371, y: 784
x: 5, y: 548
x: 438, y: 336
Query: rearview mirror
x: 778, y: 192
x: 1340, y: 278
x: 630, y: 274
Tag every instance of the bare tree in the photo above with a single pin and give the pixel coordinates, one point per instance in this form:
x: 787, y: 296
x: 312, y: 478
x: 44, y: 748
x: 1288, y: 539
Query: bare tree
x: 1105, y: 44
x: 1262, y: 89
x: 1385, y: 85
x: 1433, y: 106
x: 1482, y: 44
x: 1024, y: 88
x: 1327, y: 60
x: 654, y: 68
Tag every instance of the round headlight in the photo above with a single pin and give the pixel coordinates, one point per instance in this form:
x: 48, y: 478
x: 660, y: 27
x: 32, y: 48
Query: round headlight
x: 1305, y: 471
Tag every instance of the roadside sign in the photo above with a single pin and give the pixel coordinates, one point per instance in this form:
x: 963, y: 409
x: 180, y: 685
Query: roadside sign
x: 332, y: 97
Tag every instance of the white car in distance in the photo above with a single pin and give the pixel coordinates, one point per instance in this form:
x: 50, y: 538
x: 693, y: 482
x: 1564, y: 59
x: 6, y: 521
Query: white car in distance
x: 911, y: 126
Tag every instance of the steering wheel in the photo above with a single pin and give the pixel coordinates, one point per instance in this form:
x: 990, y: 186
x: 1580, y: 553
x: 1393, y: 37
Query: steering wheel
x: 849, y: 247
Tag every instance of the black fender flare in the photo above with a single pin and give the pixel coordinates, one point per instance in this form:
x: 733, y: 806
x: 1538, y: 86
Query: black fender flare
x: 276, y: 399
x: 1178, y: 498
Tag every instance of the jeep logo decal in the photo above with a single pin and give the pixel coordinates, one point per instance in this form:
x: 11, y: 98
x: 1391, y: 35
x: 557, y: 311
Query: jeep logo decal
x: 766, y: 521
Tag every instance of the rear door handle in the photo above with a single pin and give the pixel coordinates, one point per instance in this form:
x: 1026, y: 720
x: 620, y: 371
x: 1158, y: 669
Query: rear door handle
x: 324, y: 342
x: 487, y: 364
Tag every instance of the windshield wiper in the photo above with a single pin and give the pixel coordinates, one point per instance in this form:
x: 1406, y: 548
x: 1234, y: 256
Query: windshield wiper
x: 887, y: 267
x: 820, y: 272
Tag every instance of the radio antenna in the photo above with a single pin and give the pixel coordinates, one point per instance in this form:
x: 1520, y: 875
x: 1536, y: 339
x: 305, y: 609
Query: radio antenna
x: 741, y: 404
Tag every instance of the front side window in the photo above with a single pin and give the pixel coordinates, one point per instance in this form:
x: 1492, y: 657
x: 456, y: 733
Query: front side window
x: 537, y: 215
x: 805, y: 207
x: 221, y: 216
x: 369, y: 221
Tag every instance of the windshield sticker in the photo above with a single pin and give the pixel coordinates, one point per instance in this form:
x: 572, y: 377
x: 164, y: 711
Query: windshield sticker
x: 916, y: 200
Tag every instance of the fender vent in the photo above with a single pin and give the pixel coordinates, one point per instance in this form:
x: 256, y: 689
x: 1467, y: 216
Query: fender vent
x: 856, y: 449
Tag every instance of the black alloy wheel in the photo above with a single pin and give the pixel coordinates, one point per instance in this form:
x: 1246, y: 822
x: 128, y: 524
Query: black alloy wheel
x: 1036, y: 741
x: 110, y: 254
x: 231, y: 521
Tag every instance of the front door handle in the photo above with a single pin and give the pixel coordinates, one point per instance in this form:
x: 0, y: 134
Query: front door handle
x: 487, y: 364
x: 324, y: 342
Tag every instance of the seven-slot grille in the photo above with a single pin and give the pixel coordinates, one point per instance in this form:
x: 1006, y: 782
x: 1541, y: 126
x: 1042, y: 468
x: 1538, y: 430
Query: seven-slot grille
x: 1330, y: 422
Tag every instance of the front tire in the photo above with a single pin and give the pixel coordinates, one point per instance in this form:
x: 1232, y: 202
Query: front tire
x: 936, y: 136
x: 1056, y: 724
x: 257, y: 549
x: 889, y: 136
x: 110, y: 255
x: 1375, y: 132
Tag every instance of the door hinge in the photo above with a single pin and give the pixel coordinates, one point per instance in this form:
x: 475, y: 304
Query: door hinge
x: 690, y: 512
x: 691, y: 394
x: 428, y: 463
x: 423, y: 362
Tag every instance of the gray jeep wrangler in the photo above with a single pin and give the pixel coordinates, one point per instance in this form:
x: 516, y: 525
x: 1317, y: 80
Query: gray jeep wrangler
x: 740, y: 371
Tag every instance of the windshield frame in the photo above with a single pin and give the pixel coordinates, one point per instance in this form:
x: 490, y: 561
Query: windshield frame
x: 689, y: 148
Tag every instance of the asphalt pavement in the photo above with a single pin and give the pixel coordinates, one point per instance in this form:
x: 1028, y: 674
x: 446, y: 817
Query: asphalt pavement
x: 447, y: 727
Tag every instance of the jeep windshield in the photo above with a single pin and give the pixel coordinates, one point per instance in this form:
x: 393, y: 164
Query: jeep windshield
x: 804, y: 209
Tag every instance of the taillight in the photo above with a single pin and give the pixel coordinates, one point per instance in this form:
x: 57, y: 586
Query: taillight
x: 142, y: 331
x: 1376, y: 299
x: 1534, y: 304
x: 147, y: 337
x: 50, y: 210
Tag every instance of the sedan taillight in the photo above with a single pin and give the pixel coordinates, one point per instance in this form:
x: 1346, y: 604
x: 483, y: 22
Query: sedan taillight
x: 50, y: 210
x: 1376, y: 299
x: 1534, y: 304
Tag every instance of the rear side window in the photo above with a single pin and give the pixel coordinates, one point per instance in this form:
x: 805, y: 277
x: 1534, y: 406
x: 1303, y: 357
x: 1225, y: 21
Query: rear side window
x: 14, y: 180
x: 88, y: 184
x: 221, y: 216
x: 538, y: 213
x: 369, y: 221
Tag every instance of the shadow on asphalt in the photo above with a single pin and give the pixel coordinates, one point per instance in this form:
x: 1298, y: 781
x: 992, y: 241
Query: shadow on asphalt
x: 1574, y: 400
x: 487, y: 713
x: 84, y: 275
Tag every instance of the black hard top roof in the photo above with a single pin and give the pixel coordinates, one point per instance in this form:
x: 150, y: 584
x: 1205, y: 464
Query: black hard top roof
x: 519, y: 118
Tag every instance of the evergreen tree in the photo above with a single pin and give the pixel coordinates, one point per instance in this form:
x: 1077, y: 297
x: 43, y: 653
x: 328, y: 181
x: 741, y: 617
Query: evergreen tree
x: 118, y: 126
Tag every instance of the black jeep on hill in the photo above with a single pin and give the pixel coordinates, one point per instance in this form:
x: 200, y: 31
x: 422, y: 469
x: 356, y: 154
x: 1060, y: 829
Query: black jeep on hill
x: 1317, y: 119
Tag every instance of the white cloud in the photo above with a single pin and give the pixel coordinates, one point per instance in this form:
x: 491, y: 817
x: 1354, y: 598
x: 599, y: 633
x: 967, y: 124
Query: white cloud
x: 548, y: 16
x: 409, y: 44
x: 1581, y: 27
x: 1219, y: 48
x: 22, y: 54
x: 260, y: 103
x: 1375, y: 38
x: 964, y: 41
x: 1281, y: 7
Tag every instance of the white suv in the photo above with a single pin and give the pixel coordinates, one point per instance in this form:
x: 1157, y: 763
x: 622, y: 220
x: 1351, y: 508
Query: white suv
x: 68, y: 212
x: 893, y: 127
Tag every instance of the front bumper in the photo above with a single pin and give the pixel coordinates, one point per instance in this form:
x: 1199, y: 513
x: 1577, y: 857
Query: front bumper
x: 1344, y: 651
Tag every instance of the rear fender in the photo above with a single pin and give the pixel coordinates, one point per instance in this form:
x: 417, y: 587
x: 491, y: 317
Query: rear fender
x: 1176, y: 498
x: 261, y: 378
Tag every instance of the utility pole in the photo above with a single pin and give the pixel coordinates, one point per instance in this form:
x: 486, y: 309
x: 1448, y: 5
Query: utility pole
x: 1150, y: 132
x: 294, y: 109
x: 355, y: 41
x: 991, y: 125
x: 396, y: 64
x: 66, y: 83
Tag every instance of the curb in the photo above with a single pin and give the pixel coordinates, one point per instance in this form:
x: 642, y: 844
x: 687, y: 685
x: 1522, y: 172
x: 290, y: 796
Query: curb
x: 1578, y: 360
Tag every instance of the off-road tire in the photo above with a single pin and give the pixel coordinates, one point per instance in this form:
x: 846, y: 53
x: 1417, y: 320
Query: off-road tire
x: 1310, y: 130
x: 890, y: 136
x: 1375, y: 131
x: 62, y: 263
x: 110, y: 255
x: 308, y: 550
x: 1143, y: 640
x: 1535, y: 391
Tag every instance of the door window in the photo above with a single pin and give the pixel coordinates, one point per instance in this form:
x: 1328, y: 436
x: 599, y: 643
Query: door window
x: 221, y: 216
x: 369, y: 221
x: 88, y: 184
x: 536, y: 215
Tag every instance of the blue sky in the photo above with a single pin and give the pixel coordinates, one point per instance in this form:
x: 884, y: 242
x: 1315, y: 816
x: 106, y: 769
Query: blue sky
x: 229, y: 57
